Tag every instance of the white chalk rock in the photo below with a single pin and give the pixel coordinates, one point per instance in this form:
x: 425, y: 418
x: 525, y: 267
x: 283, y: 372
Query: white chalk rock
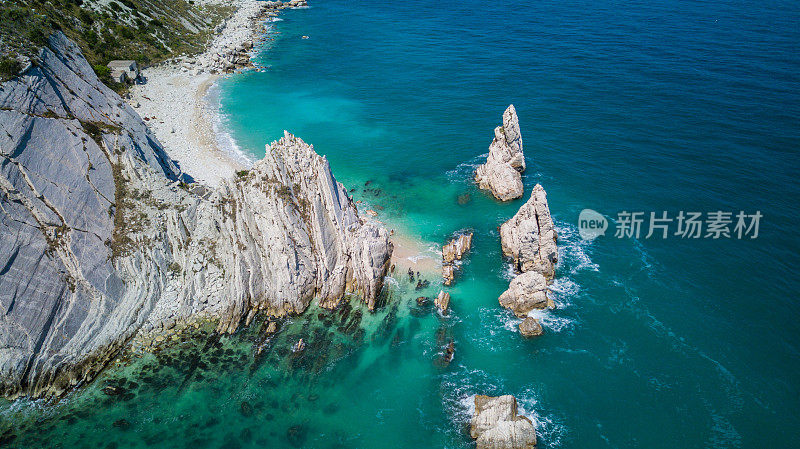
x: 529, y: 237
x: 501, y: 172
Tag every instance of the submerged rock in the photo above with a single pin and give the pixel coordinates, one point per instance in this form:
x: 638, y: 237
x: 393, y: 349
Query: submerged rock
x: 529, y: 237
x: 495, y: 424
x: 526, y: 292
x: 501, y: 172
x: 530, y: 327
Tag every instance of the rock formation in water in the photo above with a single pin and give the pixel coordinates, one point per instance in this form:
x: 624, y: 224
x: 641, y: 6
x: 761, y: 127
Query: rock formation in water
x: 495, y: 424
x: 452, y: 252
x: 526, y: 292
x: 529, y: 237
x: 103, y: 239
x: 456, y: 247
x: 530, y: 327
x: 442, y: 301
x: 501, y: 172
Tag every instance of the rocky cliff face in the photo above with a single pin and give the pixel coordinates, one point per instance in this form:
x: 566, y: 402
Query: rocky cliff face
x: 101, y: 239
x: 501, y: 172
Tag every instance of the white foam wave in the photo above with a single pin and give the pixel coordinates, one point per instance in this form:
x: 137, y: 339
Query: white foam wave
x: 573, y: 249
x: 224, y: 139
x: 550, y: 319
x: 464, y: 171
x: 392, y: 281
x: 548, y: 428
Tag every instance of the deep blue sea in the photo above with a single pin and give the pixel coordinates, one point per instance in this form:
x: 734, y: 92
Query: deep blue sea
x: 657, y: 106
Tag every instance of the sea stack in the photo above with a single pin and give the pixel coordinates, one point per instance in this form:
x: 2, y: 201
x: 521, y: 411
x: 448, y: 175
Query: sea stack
x: 501, y: 172
x: 496, y: 424
x: 529, y: 239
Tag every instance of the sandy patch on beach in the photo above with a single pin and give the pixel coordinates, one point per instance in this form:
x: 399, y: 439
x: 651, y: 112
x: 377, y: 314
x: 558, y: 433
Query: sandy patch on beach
x: 173, y: 104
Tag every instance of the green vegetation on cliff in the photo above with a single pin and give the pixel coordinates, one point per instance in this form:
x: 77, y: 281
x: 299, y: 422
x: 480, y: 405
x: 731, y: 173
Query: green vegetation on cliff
x: 147, y: 31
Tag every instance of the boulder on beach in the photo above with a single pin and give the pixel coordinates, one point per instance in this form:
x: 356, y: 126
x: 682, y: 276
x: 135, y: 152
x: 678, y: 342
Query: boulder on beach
x: 530, y: 327
x: 501, y: 172
x: 529, y: 237
x: 526, y: 292
x: 495, y: 424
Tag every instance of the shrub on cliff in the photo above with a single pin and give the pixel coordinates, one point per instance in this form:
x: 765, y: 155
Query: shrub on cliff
x: 9, y: 68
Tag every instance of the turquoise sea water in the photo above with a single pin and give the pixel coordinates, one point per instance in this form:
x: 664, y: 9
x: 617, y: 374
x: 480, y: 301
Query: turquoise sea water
x: 638, y: 106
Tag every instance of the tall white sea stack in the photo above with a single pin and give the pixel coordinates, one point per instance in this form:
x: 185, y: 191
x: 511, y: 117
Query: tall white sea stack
x: 501, y: 172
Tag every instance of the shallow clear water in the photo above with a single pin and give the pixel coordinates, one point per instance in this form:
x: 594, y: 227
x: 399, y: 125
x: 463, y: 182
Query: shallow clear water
x: 643, y: 106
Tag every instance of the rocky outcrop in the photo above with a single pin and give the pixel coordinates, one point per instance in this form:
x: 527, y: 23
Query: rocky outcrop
x: 452, y: 252
x: 103, y: 240
x: 442, y: 301
x: 526, y: 292
x: 456, y: 247
x: 529, y: 237
x: 495, y: 424
x: 530, y: 327
x: 501, y: 172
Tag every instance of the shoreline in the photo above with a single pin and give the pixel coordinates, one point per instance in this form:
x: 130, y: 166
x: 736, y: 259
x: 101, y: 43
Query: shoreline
x: 176, y: 105
x: 174, y: 98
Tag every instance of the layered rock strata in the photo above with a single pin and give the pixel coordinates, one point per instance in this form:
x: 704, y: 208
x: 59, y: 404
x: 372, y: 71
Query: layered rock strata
x: 102, y: 239
x: 495, y: 424
x: 501, y: 172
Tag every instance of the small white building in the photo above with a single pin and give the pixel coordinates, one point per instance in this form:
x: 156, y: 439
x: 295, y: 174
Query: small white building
x: 123, y: 71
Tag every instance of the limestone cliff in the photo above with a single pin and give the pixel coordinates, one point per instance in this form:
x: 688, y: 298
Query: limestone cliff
x: 501, y: 172
x: 101, y: 238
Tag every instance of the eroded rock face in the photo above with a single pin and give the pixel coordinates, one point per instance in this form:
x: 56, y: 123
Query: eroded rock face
x: 526, y: 292
x: 495, y: 424
x: 529, y: 237
x: 100, y: 242
x: 501, y: 172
